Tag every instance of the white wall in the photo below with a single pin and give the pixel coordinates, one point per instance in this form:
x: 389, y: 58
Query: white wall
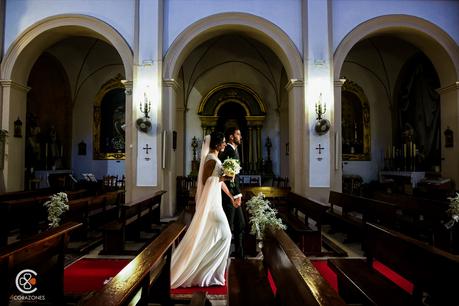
x: 348, y: 14
x: 373, y: 72
x: 179, y: 14
x: 21, y: 14
x: 234, y: 58
x: 88, y: 82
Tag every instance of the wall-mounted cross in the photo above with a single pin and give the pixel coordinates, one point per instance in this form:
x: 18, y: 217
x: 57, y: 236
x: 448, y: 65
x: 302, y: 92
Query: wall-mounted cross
x: 320, y: 148
x: 147, y: 148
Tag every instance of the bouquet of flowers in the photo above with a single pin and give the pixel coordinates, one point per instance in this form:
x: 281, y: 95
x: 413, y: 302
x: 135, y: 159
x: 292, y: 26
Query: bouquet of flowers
x: 262, y: 215
x: 231, y: 167
x: 453, y: 211
x: 56, y: 207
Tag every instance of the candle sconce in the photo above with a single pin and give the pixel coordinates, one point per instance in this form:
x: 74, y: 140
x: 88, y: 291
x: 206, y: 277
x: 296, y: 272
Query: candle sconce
x: 144, y: 124
x: 322, y: 125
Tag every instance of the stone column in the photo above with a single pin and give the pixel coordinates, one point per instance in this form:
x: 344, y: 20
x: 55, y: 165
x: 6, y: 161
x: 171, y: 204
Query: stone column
x: 147, y: 79
x: 169, y: 173
x: 449, y: 101
x: 14, y: 159
x: 336, y: 170
x: 260, y: 154
x: 129, y: 147
x: 251, y: 153
x: 298, y: 137
x: 318, y: 61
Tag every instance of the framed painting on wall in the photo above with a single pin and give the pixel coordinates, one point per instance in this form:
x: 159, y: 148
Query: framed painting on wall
x: 109, y: 121
x: 355, y: 123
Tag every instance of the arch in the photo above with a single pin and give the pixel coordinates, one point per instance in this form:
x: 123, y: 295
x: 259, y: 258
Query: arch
x: 253, y: 26
x: 26, y: 48
x: 18, y: 61
x: 432, y: 40
x: 241, y: 94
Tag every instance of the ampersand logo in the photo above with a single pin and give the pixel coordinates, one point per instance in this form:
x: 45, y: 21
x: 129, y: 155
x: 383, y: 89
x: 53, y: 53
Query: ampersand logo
x: 26, y: 281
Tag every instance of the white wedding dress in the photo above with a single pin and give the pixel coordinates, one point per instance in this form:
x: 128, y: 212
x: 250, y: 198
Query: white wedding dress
x: 201, y: 257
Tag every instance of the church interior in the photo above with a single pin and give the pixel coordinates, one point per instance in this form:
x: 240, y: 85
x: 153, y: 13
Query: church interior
x: 349, y: 130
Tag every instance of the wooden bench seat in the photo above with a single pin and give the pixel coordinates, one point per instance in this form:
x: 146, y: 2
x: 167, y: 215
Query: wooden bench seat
x: 93, y: 212
x: 296, y: 280
x: 14, y: 204
x: 146, y: 279
x: 135, y: 217
x: 248, y: 283
x: 429, y: 269
x: 44, y: 254
x: 304, y: 222
x: 373, y: 288
x: 350, y: 213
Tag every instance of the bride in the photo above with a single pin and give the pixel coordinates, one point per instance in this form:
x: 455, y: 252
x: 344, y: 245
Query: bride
x: 201, y: 257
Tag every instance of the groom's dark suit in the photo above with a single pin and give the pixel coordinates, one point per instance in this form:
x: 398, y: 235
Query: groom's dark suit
x: 235, y: 215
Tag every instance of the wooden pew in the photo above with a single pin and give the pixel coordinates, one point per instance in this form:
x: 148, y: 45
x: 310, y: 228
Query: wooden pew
x: 307, y: 236
x: 93, y: 212
x: 423, y: 219
x: 356, y: 211
x: 296, y: 279
x: 276, y: 195
x: 135, y: 216
x: 12, y: 216
x: 429, y: 269
x: 148, y: 273
x: 42, y: 253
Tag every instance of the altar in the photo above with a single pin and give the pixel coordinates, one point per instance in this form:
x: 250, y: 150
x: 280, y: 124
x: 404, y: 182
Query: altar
x: 414, y: 177
x: 247, y: 180
x: 43, y: 176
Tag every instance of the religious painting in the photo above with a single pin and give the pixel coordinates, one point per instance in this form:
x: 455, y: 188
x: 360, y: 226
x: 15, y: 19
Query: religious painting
x: 109, y: 121
x: 355, y: 123
x: 418, y: 110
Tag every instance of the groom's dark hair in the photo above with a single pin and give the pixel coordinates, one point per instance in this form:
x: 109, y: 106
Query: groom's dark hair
x: 230, y: 131
x: 216, y: 138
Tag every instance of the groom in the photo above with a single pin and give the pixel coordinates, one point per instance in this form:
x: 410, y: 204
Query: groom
x: 234, y: 211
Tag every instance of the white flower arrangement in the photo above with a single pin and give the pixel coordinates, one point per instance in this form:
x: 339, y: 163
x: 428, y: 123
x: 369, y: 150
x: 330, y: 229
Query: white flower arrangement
x: 453, y: 209
x: 231, y: 167
x: 262, y: 215
x: 56, y: 207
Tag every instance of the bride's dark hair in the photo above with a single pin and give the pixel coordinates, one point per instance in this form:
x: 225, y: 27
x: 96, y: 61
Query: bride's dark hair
x: 216, y: 138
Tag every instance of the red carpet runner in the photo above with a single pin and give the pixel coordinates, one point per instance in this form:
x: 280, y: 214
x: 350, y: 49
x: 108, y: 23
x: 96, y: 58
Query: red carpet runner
x: 89, y: 274
x: 330, y: 276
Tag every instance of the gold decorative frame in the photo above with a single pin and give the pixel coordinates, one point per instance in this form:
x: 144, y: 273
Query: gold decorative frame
x: 355, y: 89
x: 114, y: 83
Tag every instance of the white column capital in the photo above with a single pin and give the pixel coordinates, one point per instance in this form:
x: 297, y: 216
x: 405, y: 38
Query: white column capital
x: 128, y: 86
x: 339, y: 83
x: 15, y: 85
x: 172, y: 83
x: 294, y: 83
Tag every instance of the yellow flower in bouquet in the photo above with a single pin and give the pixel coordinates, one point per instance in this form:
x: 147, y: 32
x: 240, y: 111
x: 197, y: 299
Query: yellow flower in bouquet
x: 231, y: 167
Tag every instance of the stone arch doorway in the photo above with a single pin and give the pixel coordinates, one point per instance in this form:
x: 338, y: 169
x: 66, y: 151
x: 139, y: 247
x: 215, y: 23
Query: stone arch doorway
x: 434, y: 43
x: 16, y: 67
x: 236, y: 105
x: 258, y: 29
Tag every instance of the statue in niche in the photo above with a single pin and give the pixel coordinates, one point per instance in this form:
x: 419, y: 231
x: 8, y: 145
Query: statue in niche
x: 55, y: 150
x: 33, y: 144
x: 419, y: 109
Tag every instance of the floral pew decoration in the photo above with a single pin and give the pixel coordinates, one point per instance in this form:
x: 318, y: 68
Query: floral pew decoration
x: 56, y: 206
x: 262, y: 216
x: 453, y: 211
